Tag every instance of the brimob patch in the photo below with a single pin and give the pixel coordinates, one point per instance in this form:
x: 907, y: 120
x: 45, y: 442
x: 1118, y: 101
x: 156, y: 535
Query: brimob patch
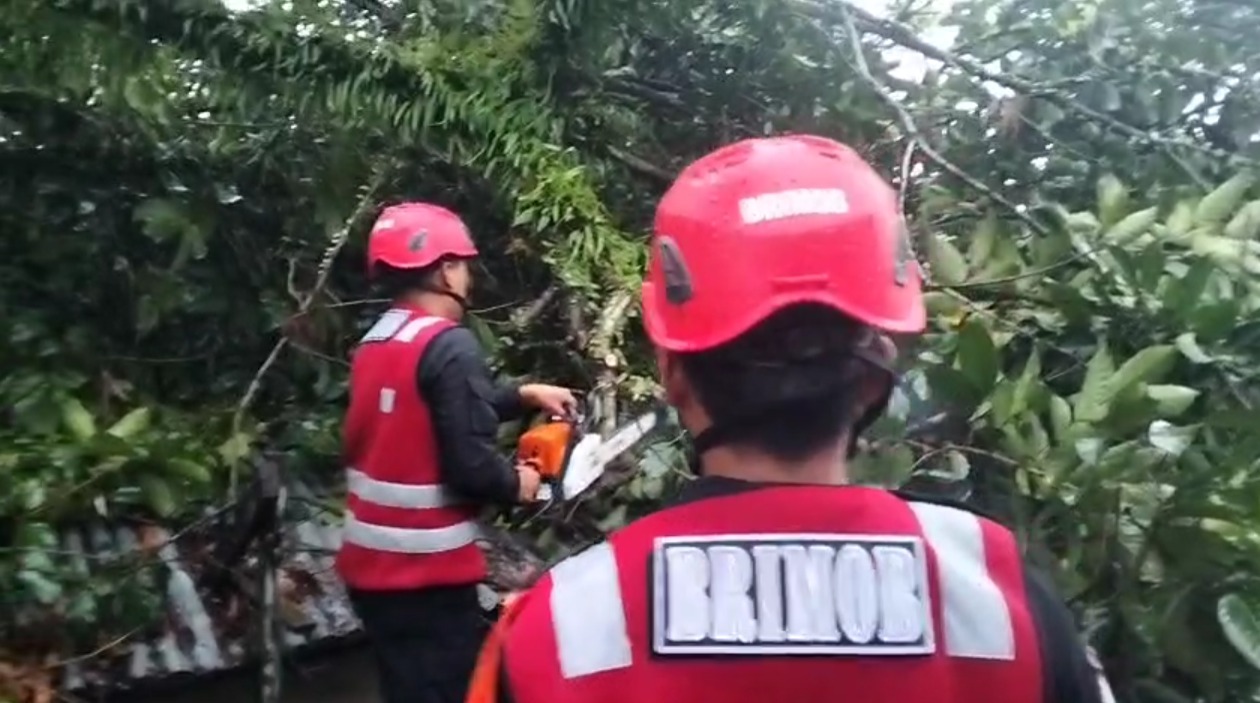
x: 791, y: 594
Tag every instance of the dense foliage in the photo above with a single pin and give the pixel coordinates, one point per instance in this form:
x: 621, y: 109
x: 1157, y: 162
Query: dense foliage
x: 185, y: 189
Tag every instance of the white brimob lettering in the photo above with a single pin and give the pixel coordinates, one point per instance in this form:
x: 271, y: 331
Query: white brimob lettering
x: 792, y: 594
x: 793, y: 203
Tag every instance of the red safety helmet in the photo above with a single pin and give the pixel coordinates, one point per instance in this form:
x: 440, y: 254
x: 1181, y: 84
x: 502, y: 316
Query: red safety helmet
x: 415, y: 235
x: 766, y: 223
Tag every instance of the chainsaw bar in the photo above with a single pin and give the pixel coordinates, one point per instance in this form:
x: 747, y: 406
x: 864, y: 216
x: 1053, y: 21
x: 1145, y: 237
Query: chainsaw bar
x: 590, y: 455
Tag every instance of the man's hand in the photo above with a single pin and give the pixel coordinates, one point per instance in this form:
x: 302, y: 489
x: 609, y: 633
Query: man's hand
x: 554, y: 400
x: 530, y: 481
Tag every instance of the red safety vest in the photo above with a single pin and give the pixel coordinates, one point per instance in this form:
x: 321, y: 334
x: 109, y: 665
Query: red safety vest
x: 403, y: 529
x: 778, y: 594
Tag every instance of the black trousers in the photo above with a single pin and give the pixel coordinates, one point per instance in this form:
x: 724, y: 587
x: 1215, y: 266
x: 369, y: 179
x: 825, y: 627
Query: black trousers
x: 425, y: 642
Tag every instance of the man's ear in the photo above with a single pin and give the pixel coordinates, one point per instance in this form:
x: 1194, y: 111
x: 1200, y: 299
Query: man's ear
x: 876, y: 385
x: 673, y: 381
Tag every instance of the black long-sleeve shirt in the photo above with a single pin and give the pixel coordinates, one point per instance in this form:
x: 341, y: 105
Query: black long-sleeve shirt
x: 467, y: 406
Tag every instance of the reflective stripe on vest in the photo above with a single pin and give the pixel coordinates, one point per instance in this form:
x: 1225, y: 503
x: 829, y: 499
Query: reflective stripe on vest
x: 398, y: 326
x: 409, y: 541
x: 399, y: 539
x: 588, y: 615
x: 397, y: 495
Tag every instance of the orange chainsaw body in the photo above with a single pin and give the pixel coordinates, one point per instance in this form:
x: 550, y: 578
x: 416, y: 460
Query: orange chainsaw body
x: 546, y: 446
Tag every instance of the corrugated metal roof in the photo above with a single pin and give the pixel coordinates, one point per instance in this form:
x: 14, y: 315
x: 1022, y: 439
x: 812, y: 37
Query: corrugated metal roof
x: 201, y: 635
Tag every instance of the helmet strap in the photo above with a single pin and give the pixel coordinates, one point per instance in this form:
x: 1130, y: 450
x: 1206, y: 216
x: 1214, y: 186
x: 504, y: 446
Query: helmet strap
x: 461, y: 300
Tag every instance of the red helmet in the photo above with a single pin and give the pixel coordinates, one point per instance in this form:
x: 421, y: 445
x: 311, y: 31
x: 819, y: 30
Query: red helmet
x: 415, y: 235
x: 766, y: 223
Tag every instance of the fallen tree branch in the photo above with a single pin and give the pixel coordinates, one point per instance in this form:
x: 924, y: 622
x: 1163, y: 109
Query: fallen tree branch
x: 915, y: 135
x: 524, y: 317
x: 906, y: 37
x: 608, y: 327
x: 641, y: 165
x: 338, y: 241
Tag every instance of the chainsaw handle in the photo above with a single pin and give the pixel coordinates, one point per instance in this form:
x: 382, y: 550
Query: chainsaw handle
x: 582, y: 418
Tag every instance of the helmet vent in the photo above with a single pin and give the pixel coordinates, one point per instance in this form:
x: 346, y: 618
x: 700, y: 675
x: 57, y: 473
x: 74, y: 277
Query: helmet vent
x: 678, y: 288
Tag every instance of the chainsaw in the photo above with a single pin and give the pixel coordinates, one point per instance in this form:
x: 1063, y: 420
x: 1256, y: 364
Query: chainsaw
x: 570, y: 455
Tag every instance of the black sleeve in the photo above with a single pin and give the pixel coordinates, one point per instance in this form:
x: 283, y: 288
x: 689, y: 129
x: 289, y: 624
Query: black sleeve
x: 1068, y: 676
x: 507, y: 401
x: 455, y: 383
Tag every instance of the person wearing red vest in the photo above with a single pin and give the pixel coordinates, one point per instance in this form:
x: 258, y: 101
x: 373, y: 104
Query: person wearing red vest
x: 420, y: 457
x: 778, y: 268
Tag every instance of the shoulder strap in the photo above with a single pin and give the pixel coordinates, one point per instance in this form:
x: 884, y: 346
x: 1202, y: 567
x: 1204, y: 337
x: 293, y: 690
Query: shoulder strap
x: 400, y: 325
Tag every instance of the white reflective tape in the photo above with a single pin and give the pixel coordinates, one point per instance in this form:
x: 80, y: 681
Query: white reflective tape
x: 386, y: 326
x: 1104, y: 688
x: 412, y: 329
x: 397, y: 495
x: 588, y: 614
x: 387, y: 399
x: 408, y: 541
x: 977, y: 619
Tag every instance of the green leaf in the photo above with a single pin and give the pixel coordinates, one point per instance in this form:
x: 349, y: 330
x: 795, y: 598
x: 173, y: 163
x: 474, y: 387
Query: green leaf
x: 236, y: 447
x: 191, y: 471
x: 1169, y: 438
x: 983, y: 241
x: 1085, y: 223
x: 977, y: 356
x: 1095, y: 397
x: 1190, y: 349
x: 1172, y: 400
x: 615, y: 519
x: 942, y: 304
x: 1023, y: 394
x: 1183, y: 295
x: 947, y: 263
x: 1181, y: 220
x: 1245, y: 224
x: 953, y: 467
x: 1241, y: 627
x: 1223, y: 250
x: 45, y: 590
x: 1060, y: 417
x: 158, y: 495
x: 1218, y: 205
x: 485, y: 336
x: 1148, y: 365
x: 77, y: 419
x: 959, y: 466
x: 1113, y: 200
x: 1132, y: 226
x: 951, y: 387
x: 131, y: 424
x: 161, y: 219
